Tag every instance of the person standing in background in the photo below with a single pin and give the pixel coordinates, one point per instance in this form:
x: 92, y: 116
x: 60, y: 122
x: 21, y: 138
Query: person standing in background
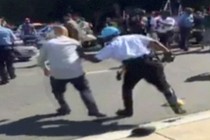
x: 165, y: 28
x: 7, y: 39
x: 185, y: 23
x: 72, y: 27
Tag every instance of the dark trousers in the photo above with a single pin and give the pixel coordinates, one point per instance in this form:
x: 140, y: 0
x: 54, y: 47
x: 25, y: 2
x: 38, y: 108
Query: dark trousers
x: 198, y: 36
x: 81, y: 84
x: 166, y: 38
x: 6, y: 64
x: 152, y: 72
x: 184, y: 37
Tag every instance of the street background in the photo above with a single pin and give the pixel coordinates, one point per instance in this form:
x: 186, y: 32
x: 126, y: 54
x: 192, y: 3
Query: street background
x: 26, y: 103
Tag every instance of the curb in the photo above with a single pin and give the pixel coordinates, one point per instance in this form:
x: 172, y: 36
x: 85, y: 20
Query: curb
x: 163, y: 124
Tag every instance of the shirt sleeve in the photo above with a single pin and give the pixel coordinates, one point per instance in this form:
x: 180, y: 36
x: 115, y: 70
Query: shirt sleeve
x: 42, y: 56
x: 105, y: 53
x: 172, y: 22
x: 146, y: 38
x: 13, y: 37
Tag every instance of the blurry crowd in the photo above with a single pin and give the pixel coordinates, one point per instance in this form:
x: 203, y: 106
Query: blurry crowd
x: 162, y: 25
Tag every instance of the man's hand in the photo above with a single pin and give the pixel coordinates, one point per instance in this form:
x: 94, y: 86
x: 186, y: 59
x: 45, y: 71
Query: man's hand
x: 46, y: 72
x: 168, y: 57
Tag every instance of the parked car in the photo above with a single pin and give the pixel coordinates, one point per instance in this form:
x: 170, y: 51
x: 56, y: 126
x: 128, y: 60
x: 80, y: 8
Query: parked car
x: 25, y: 53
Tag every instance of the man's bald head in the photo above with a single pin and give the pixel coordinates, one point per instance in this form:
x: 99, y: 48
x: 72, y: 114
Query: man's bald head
x: 60, y: 30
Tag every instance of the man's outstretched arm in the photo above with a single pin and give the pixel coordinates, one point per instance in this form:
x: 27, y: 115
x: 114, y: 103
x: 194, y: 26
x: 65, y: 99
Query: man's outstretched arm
x: 157, y: 46
x: 89, y: 57
x: 92, y: 58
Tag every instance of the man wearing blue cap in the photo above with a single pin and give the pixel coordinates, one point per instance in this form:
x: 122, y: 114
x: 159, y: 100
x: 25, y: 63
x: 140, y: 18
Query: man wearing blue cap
x: 134, y: 51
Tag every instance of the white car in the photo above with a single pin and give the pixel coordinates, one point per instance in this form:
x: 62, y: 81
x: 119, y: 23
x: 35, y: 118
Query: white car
x: 25, y: 53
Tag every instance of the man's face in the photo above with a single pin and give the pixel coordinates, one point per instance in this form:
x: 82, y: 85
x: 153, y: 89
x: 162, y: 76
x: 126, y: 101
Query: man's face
x: 66, y: 18
x: 27, y: 21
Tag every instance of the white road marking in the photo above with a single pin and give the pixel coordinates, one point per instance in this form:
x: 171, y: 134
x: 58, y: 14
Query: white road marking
x: 98, y: 72
x: 164, y: 124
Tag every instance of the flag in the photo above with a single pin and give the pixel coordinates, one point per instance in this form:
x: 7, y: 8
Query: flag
x: 180, y: 10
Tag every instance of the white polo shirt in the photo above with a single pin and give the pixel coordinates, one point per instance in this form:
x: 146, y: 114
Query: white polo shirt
x: 162, y: 28
x: 126, y: 47
x: 63, y: 59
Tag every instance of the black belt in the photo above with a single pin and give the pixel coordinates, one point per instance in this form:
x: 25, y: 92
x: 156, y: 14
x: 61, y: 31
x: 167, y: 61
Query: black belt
x: 138, y: 59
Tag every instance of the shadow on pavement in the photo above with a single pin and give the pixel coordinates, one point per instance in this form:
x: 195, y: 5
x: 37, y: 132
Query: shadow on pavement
x: 36, y: 126
x: 200, y: 77
x: 4, y: 120
x: 116, y: 68
x: 28, y: 67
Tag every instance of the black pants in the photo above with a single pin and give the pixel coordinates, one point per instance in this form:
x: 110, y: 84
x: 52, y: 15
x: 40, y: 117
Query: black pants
x: 152, y: 72
x: 198, y: 35
x: 166, y: 38
x: 184, y: 37
x: 81, y: 84
x: 6, y: 64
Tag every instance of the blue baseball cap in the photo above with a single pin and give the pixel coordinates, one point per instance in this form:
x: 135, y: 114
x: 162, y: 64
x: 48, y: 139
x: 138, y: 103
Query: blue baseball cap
x: 109, y: 31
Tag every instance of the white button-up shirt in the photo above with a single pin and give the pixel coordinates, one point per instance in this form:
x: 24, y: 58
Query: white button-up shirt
x: 162, y: 27
x: 125, y: 47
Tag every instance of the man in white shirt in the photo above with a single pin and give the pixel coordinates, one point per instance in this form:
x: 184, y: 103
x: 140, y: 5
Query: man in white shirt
x: 154, y: 18
x: 165, y: 28
x: 65, y: 67
x: 134, y: 52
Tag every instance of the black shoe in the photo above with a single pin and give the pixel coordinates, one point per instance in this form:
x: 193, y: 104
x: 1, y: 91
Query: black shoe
x: 178, y: 110
x: 98, y: 114
x: 124, y: 113
x: 186, y: 49
x: 13, y: 77
x: 4, y: 82
x: 63, y: 111
x: 119, y: 76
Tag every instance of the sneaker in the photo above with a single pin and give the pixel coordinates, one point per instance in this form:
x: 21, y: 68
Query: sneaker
x: 13, y: 77
x: 178, y: 110
x: 186, y: 49
x: 124, y: 113
x: 98, y: 115
x: 63, y: 111
x: 4, y: 82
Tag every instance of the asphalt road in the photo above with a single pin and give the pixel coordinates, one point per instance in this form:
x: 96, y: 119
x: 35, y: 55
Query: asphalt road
x: 26, y: 103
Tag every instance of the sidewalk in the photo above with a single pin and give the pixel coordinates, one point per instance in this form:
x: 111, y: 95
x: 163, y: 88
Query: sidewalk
x: 190, y: 127
x: 191, y: 131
